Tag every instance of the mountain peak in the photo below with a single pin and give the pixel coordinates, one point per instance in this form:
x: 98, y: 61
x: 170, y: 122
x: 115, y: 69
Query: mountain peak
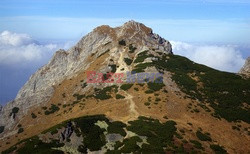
x: 137, y: 26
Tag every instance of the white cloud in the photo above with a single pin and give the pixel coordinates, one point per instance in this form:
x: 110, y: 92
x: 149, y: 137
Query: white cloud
x: 21, y: 49
x: 221, y: 57
x: 14, y: 39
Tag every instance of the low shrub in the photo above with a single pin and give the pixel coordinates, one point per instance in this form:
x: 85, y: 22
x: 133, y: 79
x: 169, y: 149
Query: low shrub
x: 118, y: 96
x: 20, y: 130
x: 126, y: 86
x: 15, y: 110
x: 122, y: 42
x: 131, y: 48
x: 218, y: 149
x: 33, y: 115
x: 203, y: 137
x: 128, y: 61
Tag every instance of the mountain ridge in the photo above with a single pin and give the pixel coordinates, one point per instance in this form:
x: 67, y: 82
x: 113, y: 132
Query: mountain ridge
x: 197, y: 103
x: 39, y: 87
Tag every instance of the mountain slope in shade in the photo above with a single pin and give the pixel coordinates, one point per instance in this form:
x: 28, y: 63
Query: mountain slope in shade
x: 194, y: 109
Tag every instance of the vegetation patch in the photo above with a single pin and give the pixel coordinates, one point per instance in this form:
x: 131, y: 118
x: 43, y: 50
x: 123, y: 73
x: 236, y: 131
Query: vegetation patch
x: 113, y: 68
x: 197, y: 144
x: 20, y: 130
x: 203, y: 137
x: 53, y: 108
x: 15, y: 110
x: 225, y: 92
x: 131, y: 48
x: 117, y: 127
x: 146, y: 136
x: 149, y: 91
x: 218, y: 149
x: 159, y: 135
x: 122, y: 42
x: 79, y: 97
x: 126, y: 86
x: 141, y: 57
x: 33, y: 115
x: 128, y: 61
x: 118, y: 96
x: 84, y: 85
x: 104, y: 93
x: 140, y: 67
x: 155, y: 86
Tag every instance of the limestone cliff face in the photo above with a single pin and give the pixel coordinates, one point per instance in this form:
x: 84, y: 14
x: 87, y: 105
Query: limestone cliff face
x: 65, y: 64
x: 246, y: 68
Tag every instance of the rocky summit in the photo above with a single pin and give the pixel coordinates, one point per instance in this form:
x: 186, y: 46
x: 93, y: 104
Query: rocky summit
x: 122, y: 90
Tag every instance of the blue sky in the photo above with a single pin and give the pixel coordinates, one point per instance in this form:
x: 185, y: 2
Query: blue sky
x: 185, y: 20
x: 212, y: 32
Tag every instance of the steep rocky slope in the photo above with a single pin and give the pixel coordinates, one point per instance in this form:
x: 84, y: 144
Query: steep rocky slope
x: 191, y: 108
x: 246, y: 68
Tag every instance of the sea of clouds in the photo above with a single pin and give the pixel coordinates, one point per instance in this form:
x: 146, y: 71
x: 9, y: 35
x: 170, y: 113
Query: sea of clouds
x: 221, y: 57
x: 21, y: 56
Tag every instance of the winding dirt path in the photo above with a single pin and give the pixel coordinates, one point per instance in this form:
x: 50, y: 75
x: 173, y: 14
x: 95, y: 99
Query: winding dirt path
x: 132, y: 107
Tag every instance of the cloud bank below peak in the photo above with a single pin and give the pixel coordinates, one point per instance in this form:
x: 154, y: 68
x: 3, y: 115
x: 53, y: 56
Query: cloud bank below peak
x: 20, y: 57
x: 21, y: 49
x: 221, y: 57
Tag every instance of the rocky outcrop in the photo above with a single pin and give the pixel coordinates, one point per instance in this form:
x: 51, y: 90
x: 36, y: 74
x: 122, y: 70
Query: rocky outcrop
x: 245, y: 70
x: 67, y: 132
x: 65, y: 64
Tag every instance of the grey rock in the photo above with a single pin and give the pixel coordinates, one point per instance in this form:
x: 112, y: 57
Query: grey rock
x: 246, y: 68
x: 38, y: 90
